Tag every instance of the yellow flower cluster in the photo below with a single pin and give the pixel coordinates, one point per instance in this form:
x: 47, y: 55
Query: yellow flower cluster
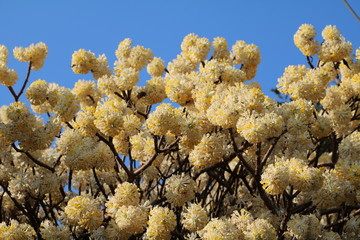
x: 208, y: 152
x: 180, y: 189
x: 16, y: 230
x: 51, y: 232
x: 84, y: 61
x: 304, y: 40
x: 165, y: 119
x: 35, y: 54
x: 194, y: 217
x: 126, y: 194
x: 131, y: 219
x: 304, y: 227
x: 161, y: 222
x: 284, y: 172
x: 83, y: 211
x: 8, y: 77
x: 220, y: 229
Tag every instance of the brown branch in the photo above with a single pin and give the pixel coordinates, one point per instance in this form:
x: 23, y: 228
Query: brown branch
x: 113, y: 150
x: 25, y: 82
x: 99, y: 184
x: 41, y: 164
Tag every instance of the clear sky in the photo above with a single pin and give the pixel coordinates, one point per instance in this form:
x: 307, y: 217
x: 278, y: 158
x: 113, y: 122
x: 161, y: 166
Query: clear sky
x: 66, y: 26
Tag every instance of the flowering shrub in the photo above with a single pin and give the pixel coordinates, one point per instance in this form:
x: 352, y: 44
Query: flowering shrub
x: 224, y: 161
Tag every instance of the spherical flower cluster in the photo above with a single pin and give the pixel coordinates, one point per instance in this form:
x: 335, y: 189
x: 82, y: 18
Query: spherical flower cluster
x: 16, y: 231
x: 126, y: 194
x: 256, y: 129
x: 107, y: 85
x: 218, y: 71
x: 142, y: 146
x: 131, y: 219
x: 220, y: 229
x: 334, y: 48
x: 295, y: 172
x: 164, y: 119
x: 4, y: 53
x: 87, y: 93
x: 333, y: 192
x: 195, y: 48
x: 194, y: 217
x: 241, y: 219
x: 220, y: 47
x: 178, y: 88
x: 124, y: 49
x: 85, y: 122
x: 304, y: 40
x: 153, y: 92
x: 208, y: 152
x: 100, y: 67
x: 127, y: 78
x: 304, y: 227
x: 156, y: 67
x: 260, y: 229
x: 78, y: 156
x: 8, y: 77
x: 109, y: 116
x: 51, y: 232
x: 161, y: 222
x: 247, y: 54
x: 180, y: 189
x: 67, y: 105
x: 35, y: 54
x: 181, y: 65
x: 37, y: 92
x: 82, y: 61
x: 84, y: 212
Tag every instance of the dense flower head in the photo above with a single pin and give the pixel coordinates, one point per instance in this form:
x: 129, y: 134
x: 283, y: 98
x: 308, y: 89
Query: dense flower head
x: 109, y: 116
x: 8, y: 77
x: 35, y: 54
x: 126, y: 194
x: 304, y: 227
x: 208, y: 152
x: 178, y: 88
x: 220, y: 229
x: 131, y: 219
x: 195, y: 48
x: 257, y: 129
x: 194, y: 217
x: 180, y: 189
x: 334, y: 48
x: 82, y: 61
x: 153, y: 92
x: 161, y: 222
x: 282, y: 173
x: 37, y: 92
x: 84, y: 212
x: 247, y: 54
x: 156, y: 67
x: 304, y: 40
x: 16, y: 231
x: 4, y: 54
x: 51, y: 232
x: 220, y: 47
x: 87, y: 92
x: 164, y: 119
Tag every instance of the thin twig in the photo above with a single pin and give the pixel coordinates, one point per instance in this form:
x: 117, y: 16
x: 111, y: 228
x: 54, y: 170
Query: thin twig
x: 351, y: 10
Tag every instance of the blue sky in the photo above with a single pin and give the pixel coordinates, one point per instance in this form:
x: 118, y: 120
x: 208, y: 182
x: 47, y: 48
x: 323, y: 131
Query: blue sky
x: 66, y: 26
